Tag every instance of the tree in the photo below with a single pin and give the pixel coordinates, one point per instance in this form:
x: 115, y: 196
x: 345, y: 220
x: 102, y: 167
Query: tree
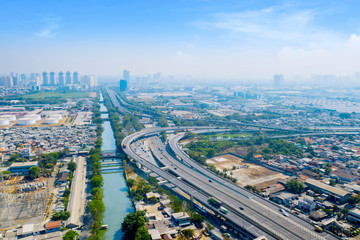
x: 353, y: 199
x: 60, y: 216
x: 71, y: 166
x: 14, y: 157
x: 33, y: 172
x: 327, y: 170
x: 211, y: 152
x: 71, y: 235
x: 197, y: 218
x: 6, y: 174
x: 131, y: 182
x: 332, y: 182
x: 163, y: 122
x: 153, y: 200
x: 132, y: 222
x: 96, y: 181
x: 152, y: 180
x: 142, y: 234
x: 96, y: 193
x: 188, y: 233
x: 164, y: 135
x: 147, y: 189
x: 66, y: 192
x: 250, y: 188
x: 294, y: 186
x: 49, y: 166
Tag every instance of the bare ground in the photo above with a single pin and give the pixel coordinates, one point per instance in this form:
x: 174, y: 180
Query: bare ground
x: 246, y: 173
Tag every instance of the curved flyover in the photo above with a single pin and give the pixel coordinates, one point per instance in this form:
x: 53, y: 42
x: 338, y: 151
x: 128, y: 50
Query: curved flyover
x: 262, y: 214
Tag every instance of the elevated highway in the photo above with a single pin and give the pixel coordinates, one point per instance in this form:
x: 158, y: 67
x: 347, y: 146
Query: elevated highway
x: 201, y: 183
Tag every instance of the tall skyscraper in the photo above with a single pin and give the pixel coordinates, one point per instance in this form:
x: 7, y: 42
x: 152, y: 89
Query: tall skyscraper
x: 278, y: 80
x: 45, y: 79
x: 8, y: 82
x: 15, y: 81
x: 90, y: 81
x: 68, y: 77
x: 61, y: 79
x: 126, y: 75
x: 123, y: 85
x: 75, y: 78
x: 52, y: 79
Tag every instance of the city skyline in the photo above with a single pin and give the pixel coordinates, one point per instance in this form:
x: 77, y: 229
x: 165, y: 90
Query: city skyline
x: 202, y: 39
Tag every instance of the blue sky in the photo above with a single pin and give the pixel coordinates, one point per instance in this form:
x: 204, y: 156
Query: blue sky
x: 220, y: 39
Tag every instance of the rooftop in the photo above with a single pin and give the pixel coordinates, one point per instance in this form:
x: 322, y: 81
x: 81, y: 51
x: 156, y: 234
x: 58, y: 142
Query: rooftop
x: 51, y: 225
x: 328, y: 188
x: 24, y: 164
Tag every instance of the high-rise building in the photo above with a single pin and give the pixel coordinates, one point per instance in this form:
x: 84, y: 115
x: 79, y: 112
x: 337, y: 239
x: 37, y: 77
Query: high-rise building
x: 126, y: 75
x: 68, y: 77
x: 278, y: 80
x: 8, y: 83
x: 23, y: 77
x: 15, y: 81
x: 123, y: 85
x: 61, y: 79
x: 90, y: 81
x: 32, y: 76
x: 52, y: 81
x: 75, y: 78
x: 45, y: 78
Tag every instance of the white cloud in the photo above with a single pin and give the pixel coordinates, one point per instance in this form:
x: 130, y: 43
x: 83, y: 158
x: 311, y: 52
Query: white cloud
x: 353, y: 42
x: 49, y: 28
x: 283, y: 24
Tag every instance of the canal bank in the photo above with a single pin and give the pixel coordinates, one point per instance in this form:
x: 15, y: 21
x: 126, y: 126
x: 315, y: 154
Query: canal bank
x: 116, y: 201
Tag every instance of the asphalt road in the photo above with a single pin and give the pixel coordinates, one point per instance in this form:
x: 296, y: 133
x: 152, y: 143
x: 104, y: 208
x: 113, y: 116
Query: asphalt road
x: 264, y: 215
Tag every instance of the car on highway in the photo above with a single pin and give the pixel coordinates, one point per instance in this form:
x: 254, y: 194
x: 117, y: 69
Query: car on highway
x: 241, y: 208
x: 210, y: 180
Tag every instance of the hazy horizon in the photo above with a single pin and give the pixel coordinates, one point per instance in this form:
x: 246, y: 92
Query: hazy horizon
x: 202, y: 39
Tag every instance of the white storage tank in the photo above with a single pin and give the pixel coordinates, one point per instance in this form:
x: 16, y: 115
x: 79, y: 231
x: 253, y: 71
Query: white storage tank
x: 11, y: 118
x: 4, y: 122
x: 36, y: 117
x: 51, y: 120
x: 26, y: 121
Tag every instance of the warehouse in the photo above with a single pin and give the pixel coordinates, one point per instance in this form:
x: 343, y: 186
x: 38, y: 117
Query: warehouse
x: 20, y: 168
x: 336, y: 194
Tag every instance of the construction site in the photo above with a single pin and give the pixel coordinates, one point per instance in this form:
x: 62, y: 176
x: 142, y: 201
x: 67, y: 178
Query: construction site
x: 23, y: 201
x: 245, y: 172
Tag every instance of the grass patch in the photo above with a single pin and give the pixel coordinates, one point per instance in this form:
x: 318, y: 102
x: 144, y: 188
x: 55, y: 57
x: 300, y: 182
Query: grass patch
x: 43, y: 95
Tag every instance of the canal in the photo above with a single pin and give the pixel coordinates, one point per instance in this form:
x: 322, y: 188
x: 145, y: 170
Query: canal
x: 117, y: 204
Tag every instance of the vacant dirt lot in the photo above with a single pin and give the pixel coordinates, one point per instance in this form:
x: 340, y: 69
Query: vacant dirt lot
x: 246, y: 173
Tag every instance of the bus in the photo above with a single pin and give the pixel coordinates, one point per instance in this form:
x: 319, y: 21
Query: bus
x: 201, y: 210
x: 223, y: 210
x: 215, y: 202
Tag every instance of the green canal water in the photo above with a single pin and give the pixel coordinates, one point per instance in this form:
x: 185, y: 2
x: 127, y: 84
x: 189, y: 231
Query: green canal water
x: 117, y: 204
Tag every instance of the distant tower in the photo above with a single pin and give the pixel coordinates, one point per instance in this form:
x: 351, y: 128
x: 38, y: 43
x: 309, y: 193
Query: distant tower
x: 68, y: 78
x: 9, y: 82
x: 75, y: 78
x: 45, y: 78
x: 52, y: 79
x: 123, y: 85
x: 278, y: 80
x: 90, y: 81
x: 61, y: 79
x: 126, y: 75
